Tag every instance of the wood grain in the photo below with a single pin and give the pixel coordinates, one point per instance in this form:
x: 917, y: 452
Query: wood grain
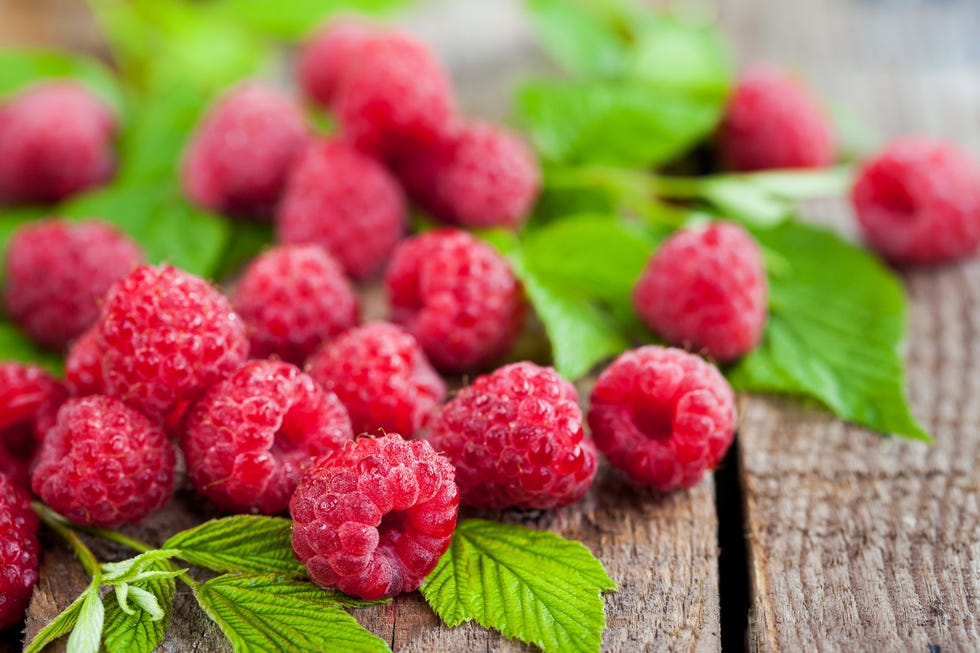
x: 858, y: 542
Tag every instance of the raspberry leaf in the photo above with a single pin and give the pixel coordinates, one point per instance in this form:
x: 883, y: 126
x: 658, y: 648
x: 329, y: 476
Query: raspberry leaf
x: 533, y: 586
x: 836, y: 324
x: 628, y: 123
x: 578, y: 37
x: 240, y: 544
x: 163, y: 223
x: 86, y: 636
x: 578, y: 273
x: 259, y: 612
x: 293, y: 20
x: 16, y: 346
x: 59, y: 626
x: 141, y: 629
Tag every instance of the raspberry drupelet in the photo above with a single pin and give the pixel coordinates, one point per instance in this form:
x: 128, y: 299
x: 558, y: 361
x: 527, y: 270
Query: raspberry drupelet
x: 663, y: 416
x: 248, y: 441
x: 327, y: 54
x: 19, y: 552
x: 29, y: 403
x: 373, y: 518
x: 515, y: 437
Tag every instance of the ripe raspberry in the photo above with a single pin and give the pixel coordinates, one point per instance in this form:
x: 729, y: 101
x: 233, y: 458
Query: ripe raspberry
x: 57, y: 272
x: 395, y: 97
x: 19, y: 552
x: 168, y: 336
x: 326, y: 55
x: 381, y: 375
x: 663, y: 416
x: 241, y: 153
x: 83, y: 366
x: 55, y: 140
x: 345, y: 202
x: 773, y: 122
x: 29, y: 403
x: 104, y: 464
x: 918, y: 201
x: 457, y: 296
x: 706, y: 289
x: 516, y: 439
x: 292, y: 299
x: 481, y: 177
x: 373, y: 518
x: 250, y: 439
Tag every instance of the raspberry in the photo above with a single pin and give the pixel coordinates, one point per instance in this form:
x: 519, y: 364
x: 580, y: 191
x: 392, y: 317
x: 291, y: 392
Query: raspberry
x: 373, y: 518
x: 249, y: 440
x: 457, y: 296
x: 773, y: 122
x: 241, y: 153
x: 104, y: 464
x: 481, y: 177
x: 19, y: 552
x: 381, y: 375
x: 57, y: 272
x: 918, y: 201
x: 395, y: 97
x: 29, y: 402
x: 345, y: 202
x: 293, y: 298
x: 706, y: 289
x: 326, y: 55
x: 83, y: 366
x: 516, y: 439
x: 55, y: 141
x: 168, y: 336
x: 663, y: 416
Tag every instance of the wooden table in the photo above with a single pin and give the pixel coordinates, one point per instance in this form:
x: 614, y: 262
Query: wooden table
x: 815, y: 535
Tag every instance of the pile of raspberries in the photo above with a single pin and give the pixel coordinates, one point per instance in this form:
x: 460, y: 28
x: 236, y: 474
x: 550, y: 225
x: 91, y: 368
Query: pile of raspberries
x: 278, y: 398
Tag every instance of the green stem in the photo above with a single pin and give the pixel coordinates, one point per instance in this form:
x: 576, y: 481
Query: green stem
x: 61, y: 526
x: 677, y: 188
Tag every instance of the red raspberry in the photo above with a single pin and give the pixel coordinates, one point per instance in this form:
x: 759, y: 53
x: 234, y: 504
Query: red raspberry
x: 663, y: 416
x: 55, y: 140
x: 457, y: 296
x: 381, y: 375
x: 57, y: 272
x: 241, y: 153
x: 29, y: 403
x: 706, y: 289
x: 104, y: 464
x: 773, y: 122
x: 292, y: 299
x: 918, y: 201
x: 168, y: 336
x: 373, y: 518
x: 516, y: 439
x: 83, y: 366
x: 347, y: 203
x: 395, y: 97
x: 19, y: 552
x: 327, y: 54
x: 249, y: 440
x: 481, y: 177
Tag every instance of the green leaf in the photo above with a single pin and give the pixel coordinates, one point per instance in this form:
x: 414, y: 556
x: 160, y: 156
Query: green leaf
x: 86, y: 636
x: 163, y: 223
x: 533, y: 586
x: 624, y: 123
x: 126, y: 571
x: 294, y: 19
x: 243, y: 543
x: 58, y: 628
x: 836, y: 324
x: 680, y: 56
x: 143, y: 630
x: 16, y: 346
x: 19, y: 68
x: 579, y: 37
x: 246, y: 241
x: 270, y: 613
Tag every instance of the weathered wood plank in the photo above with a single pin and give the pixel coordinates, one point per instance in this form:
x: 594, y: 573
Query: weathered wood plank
x: 858, y: 542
